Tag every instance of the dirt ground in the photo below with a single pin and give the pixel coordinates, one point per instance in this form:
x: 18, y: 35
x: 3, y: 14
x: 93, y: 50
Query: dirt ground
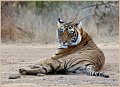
x: 15, y: 56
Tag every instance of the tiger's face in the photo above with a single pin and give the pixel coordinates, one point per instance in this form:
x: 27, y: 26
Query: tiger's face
x: 68, y: 33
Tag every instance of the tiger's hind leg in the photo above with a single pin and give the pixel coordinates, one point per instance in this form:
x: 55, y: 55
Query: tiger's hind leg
x: 89, y: 71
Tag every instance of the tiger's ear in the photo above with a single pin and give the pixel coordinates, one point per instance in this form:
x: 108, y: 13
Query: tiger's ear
x: 79, y: 24
x: 60, y: 22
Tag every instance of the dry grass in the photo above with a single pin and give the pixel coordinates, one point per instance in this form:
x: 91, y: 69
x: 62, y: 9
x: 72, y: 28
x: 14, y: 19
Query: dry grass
x: 40, y: 27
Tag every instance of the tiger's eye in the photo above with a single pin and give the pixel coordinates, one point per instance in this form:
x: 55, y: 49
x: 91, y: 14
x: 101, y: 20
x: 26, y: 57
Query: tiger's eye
x: 70, y: 27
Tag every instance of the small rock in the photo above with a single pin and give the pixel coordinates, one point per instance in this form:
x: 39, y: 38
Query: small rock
x: 61, y: 77
x: 44, y: 79
x: 74, y: 84
x: 14, y: 77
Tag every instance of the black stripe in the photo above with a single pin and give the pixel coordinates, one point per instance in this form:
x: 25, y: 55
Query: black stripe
x: 75, y: 36
x: 67, y: 64
x: 72, y: 62
x: 44, y: 69
x: 52, y: 67
x: 93, y: 73
x: 58, y: 66
x: 59, y: 53
x: 81, y: 31
x: 84, y: 37
x: 88, y: 65
x: 75, y: 64
x: 76, y: 69
x: 58, y: 62
x: 97, y: 73
x: 60, y: 48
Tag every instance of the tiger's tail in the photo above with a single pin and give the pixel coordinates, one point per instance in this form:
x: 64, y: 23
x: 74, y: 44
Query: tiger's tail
x: 88, y: 70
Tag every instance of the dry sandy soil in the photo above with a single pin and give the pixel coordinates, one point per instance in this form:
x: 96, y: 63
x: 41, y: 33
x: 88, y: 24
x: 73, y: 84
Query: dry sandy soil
x: 15, y: 56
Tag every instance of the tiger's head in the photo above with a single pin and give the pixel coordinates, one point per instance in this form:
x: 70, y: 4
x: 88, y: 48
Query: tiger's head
x: 68, y: 33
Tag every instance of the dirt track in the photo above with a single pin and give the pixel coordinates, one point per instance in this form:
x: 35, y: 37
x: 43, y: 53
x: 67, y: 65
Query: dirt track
x: 15, y: 56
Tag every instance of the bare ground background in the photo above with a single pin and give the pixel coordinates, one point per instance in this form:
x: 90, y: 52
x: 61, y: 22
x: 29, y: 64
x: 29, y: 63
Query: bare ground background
x: 15, y: 56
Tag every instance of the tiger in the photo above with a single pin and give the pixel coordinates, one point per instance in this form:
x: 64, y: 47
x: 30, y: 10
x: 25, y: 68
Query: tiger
x: 77, y: 53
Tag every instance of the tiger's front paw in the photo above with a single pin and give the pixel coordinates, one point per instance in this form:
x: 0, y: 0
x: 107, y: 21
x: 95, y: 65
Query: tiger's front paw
x: 23, y: 71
